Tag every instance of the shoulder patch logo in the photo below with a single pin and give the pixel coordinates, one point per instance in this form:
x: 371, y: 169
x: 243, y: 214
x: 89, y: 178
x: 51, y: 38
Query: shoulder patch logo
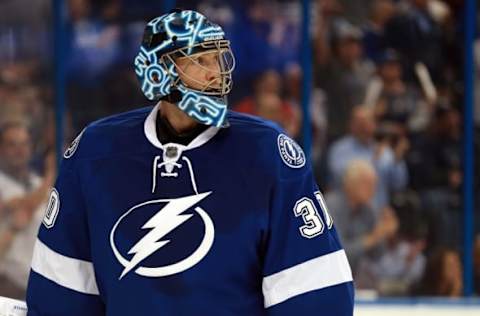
x: 52, y: 210
x: 291, y: 153
x: 73, y: 146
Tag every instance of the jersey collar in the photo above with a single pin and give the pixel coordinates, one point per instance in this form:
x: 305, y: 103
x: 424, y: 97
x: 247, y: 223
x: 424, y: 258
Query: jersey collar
x: 151, y: 132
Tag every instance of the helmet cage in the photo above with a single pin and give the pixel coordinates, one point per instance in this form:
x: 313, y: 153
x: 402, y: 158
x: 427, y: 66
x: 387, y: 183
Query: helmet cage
x: 225, y: 59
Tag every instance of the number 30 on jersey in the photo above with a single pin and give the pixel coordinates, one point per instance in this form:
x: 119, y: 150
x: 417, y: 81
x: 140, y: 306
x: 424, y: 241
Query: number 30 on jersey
x: 314, y: 225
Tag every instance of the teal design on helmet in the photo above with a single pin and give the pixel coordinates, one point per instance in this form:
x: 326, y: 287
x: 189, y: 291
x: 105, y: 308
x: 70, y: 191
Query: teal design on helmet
x: 179, y: 35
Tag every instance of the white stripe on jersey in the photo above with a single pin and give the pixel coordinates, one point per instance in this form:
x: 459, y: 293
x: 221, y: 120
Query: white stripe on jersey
x: 68, y: 272
x: 318, y: 273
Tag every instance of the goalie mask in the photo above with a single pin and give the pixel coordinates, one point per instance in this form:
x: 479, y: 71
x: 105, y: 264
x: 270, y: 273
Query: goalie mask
x: 173, y: 45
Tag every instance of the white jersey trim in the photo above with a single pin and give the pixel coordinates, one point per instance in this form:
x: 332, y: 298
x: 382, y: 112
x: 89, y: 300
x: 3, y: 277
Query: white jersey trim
x: 75, y: 274
x: 150, y: 130
x: 318, y: 273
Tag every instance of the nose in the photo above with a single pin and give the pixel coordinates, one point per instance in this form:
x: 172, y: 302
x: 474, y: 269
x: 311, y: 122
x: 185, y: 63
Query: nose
x: 213, y: 73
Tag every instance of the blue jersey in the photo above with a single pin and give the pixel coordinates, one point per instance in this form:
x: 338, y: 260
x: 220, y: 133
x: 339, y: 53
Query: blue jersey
x: 230, y: 224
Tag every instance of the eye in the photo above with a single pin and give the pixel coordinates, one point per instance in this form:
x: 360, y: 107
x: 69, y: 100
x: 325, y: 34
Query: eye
x: 206, y: 60
x: 202, y: 60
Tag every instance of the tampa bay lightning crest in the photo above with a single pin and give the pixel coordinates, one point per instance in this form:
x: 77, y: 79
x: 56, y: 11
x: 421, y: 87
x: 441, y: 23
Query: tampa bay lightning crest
x: 166, y: 236
x: 291, y: 153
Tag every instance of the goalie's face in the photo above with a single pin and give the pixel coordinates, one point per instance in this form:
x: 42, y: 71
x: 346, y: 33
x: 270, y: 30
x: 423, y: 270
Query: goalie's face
x: 201, y: 71
x: 205, y: 68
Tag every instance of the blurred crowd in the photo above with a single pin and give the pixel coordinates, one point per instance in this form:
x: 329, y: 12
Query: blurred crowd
x: 385, y: 109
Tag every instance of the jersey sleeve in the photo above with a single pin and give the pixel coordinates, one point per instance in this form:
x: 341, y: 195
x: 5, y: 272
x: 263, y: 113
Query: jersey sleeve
x: 306, y: 270
x: 62, y: 279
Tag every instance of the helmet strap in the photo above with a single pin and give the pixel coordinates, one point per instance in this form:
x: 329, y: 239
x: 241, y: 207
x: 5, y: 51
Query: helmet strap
x: 173, y: 97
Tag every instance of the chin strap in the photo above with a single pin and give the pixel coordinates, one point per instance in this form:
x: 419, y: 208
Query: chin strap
x: 174, y: 97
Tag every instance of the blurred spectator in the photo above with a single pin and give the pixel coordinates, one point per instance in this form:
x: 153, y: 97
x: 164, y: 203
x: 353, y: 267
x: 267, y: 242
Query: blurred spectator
x: 445, y: 213
x: 269, y: 106
x: 22, y: 97
x: 350, y: 206
x: 435, y: 165
x: 269, y: 29
x: 418, y: 37
x: 18, y: 97
x: 386, y: 157
x: 443, y: 275
x: 394, y: 101
x: 22, y: 21
x: 23, y: 193
x: 402, y: 262
x: 95, y: 47
x: 15, y: 154
x: 435, y: 157
x: 381, y: 11
x: 268, y: 81
x: 392, y: 274
x: 267, y: 102
x: 341, y: 72
x: 95, y: 42
x: 411, y: 215
x: 264, y: 35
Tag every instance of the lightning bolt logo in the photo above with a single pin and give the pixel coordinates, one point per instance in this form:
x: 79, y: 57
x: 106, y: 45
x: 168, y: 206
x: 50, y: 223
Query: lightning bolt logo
x: 163, y: 222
